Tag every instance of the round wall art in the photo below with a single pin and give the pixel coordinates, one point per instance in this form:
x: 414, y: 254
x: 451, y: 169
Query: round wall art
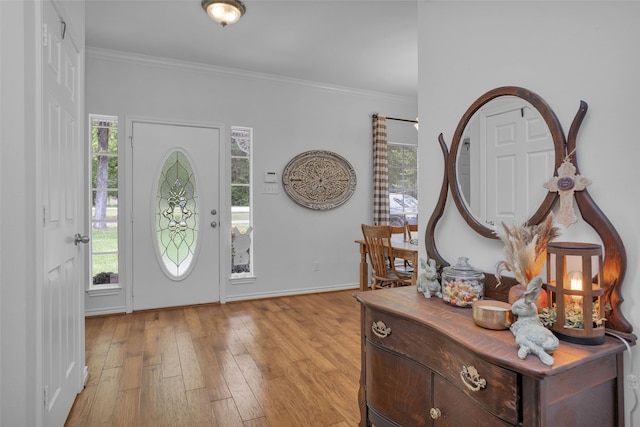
x: 319, y: 179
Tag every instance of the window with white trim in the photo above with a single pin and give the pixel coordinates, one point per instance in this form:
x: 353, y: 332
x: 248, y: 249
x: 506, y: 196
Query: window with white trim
x: 241, y: 202
x: 402, y: 166
x: 104, y: 200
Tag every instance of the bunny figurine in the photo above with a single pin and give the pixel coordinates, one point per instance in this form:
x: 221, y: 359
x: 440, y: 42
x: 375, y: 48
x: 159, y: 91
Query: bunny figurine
x: 530, y: 335
x: 428, y: 283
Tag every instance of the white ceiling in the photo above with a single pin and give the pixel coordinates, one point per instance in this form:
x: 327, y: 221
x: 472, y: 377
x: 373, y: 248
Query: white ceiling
x: 369, y: 45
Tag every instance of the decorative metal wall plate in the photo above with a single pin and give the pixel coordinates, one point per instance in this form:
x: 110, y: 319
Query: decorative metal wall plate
x: 319, y: 180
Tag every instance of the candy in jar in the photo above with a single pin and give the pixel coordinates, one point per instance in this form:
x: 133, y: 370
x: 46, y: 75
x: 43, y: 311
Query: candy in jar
x: 462, y: 284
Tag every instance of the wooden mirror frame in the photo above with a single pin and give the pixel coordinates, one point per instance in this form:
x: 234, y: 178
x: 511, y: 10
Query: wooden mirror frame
x: 557, y: 136
x: 615, y: 256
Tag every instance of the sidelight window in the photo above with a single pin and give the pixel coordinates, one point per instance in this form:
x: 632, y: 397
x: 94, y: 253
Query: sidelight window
x: 104, y: 199
x: 241, y: 202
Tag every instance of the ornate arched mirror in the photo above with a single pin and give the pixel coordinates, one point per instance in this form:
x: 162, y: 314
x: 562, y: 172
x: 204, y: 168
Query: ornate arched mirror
x: 506, y: 145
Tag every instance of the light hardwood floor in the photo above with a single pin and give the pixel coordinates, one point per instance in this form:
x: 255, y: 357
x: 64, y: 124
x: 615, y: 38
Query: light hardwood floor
x: 289, y: 361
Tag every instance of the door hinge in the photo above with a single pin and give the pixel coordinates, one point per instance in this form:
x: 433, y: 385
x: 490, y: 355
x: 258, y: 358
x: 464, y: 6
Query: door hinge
x: 131, y: 141
x: 44, y: 216
x: 45, y: 395
x: 45, y: 35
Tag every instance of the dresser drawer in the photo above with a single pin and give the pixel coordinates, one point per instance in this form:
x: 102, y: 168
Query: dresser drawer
x: 396, y: 387
x: 495, y: 389
x: 455, y: 410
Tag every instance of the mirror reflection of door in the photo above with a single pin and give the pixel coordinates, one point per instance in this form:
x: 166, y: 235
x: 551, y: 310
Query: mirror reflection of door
x: 510, y: 156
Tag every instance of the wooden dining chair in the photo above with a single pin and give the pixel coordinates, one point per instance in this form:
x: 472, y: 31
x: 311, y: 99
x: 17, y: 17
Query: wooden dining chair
x: 404, y: 266
x: 399, y: 230
x: 409, y: 229
x: 378, y: 241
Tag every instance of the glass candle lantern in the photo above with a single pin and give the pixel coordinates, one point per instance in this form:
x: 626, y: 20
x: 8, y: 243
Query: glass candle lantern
x: 575, y: 293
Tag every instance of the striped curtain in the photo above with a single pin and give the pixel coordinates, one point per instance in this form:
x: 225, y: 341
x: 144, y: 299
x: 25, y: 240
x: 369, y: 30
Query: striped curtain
x: 380, y: 171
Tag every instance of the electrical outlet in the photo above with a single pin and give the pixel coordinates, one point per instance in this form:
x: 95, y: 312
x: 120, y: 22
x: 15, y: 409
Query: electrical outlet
x: 316, y: 266
x: 632, y: 380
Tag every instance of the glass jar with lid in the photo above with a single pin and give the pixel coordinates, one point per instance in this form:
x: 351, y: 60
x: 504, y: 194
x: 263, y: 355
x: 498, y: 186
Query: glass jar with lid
x: 462, y: 284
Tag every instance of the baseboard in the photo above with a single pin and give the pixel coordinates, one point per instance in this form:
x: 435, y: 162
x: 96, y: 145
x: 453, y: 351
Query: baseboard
x: 291, y: 292
x: 104, y: 311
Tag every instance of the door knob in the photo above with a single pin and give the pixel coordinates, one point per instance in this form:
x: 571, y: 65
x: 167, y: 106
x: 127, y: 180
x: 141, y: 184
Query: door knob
x: 214, y: 224
x: 81, y: 239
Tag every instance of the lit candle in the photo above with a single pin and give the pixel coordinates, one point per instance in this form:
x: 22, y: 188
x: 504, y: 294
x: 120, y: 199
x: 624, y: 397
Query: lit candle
x: 576, y: 281
x: 574, y: 302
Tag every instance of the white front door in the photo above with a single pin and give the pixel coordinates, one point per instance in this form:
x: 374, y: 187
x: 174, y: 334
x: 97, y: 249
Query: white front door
x: 62, y: 163
x: 175, y: 214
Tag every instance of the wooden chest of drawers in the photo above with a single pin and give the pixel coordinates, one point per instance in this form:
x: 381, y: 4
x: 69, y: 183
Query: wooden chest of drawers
x: 425, y: 363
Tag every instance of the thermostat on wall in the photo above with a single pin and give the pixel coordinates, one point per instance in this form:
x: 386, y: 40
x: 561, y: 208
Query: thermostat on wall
x: 270, y: 177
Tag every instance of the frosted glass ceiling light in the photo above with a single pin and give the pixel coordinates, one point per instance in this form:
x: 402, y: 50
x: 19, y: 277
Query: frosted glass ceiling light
x: 224, y: 12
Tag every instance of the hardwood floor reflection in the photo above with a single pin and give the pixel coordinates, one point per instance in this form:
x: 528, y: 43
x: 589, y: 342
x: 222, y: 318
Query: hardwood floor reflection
x: 289, y: 361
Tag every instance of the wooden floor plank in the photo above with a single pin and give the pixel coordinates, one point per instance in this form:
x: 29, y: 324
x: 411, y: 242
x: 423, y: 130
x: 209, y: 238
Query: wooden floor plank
x: 190, y: 366
x: 106, y: 398
x: 151, y: 397
x: 170, y: 355
x: 258, y: 422
x: 226, y: 414
x: 132, y: 373
x: 135, y: 340
x: 289, y: 361
x: 211, y: 369
x: 82, y: 407
x: 175, y: 406
x: 127, y: 408
x: 151, y: 347
x: 245, y: 401
x: 200, y: 408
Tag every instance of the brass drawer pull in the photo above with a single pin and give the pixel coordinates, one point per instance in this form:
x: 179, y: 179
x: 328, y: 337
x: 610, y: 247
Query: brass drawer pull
x: 435, y: 413
x: 380, y: 329
x: 471, y: 378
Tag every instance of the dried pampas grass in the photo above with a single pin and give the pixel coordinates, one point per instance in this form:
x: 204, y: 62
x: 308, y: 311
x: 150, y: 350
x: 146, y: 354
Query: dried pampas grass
x: 525, y: 248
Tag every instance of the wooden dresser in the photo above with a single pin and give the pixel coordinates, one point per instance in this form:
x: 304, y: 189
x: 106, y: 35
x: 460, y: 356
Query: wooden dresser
x: 419, y: 356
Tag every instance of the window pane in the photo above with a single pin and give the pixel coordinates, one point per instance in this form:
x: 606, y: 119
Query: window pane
x: 104, y: 267
x: 403, y: 183
x: 240, y: 195
x: 177, y: 214
x: 240, y: 171
x: 240, y: 218
x: 240, y: 142
x: 104, y: 136
x: 104, y: 236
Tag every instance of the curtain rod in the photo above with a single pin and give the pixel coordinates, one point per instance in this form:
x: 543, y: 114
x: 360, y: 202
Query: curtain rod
x: 399, y: 120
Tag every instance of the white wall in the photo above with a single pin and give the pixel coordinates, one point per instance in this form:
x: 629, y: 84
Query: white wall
x: 565, y: 52
x: 19, y: 363
x: 288, y: 117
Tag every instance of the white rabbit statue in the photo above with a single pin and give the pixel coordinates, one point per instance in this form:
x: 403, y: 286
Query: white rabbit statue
x: 428, y: 283
x: 530, y: 335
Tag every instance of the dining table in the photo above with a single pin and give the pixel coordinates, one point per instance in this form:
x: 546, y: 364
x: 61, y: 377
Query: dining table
x: 403, y: 249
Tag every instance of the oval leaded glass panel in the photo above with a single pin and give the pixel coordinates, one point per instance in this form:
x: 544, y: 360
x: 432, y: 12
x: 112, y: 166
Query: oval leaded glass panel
x: 177, y: 215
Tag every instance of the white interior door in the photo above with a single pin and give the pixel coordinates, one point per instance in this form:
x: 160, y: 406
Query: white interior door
x: 62, y: 317
x: 519, y: 158
x: 175, y: 215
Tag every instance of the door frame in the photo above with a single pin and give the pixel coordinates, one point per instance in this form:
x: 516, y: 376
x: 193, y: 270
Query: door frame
x: 224, y: 241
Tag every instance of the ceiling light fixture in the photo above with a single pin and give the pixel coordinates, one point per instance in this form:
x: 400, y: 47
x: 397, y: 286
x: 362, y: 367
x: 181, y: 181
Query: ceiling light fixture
x: 224, y: 12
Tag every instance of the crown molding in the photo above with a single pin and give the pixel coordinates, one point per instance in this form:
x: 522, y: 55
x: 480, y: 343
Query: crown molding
x: 167, y: 63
